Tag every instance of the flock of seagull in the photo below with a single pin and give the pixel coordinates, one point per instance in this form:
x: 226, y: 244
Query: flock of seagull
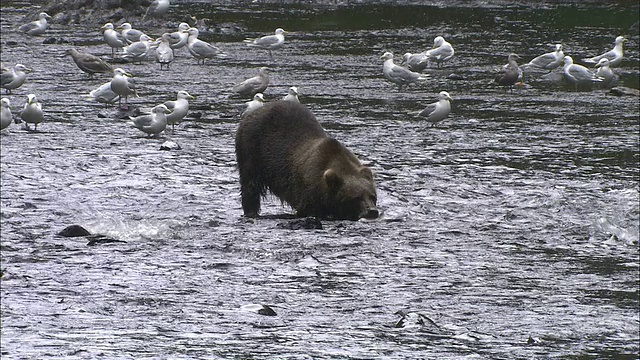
x: 135, y: 46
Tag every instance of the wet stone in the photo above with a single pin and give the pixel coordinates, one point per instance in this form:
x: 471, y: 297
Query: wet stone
x: 74, y: 231
x: 624, y: 91
x: 304, y: 223
x: 170, y: 145
x: 101, y: 239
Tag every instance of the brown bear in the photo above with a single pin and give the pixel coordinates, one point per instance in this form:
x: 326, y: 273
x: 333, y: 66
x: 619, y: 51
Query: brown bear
x: 281, y: 147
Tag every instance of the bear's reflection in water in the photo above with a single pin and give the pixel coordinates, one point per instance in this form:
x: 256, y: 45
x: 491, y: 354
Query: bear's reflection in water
x: 282, y: 148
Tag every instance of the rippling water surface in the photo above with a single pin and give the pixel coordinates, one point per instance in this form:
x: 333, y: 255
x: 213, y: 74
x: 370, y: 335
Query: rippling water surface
x: 510, y: 229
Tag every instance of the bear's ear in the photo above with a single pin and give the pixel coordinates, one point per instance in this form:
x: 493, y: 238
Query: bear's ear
x: 332, y: 179
x: 366, y: 172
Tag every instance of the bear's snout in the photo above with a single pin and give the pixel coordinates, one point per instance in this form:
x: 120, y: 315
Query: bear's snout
x: 370, y: 213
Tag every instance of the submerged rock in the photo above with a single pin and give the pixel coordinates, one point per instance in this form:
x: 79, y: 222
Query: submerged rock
x: 304, y: 223
x: 74, y: 231
x: 170, y: 145
x: 260, y: 309
x: 624, y: 91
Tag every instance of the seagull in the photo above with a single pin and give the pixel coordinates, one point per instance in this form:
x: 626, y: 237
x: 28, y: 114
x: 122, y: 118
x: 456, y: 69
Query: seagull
x: 138, y: 50
x: 397, y: 74
x: 5, y: 115
x: 510, y: 72
x: 164, y: 52
x: 89, y: 63
x: 253, y: 105
x: 292, y: 95
x: 37, y: 27
x: 441, y: 52
x: 438, y: 110
x: 154, y: 123
x: 614, y: 55
x: 254, y: 85
x: 104, y: 94
x: 123, y: 85
x: 112, y: 37
x: 179, y: 38
x: 130, y: 34
x: 200, y: 49
x: 157, y: 8
x: 578, y: 74
x: 179, y: 108
x: 416, y: 62
x: 605, y: 72
x: 269, y: 42
x: 548, y: 61
x: 32, y: 112
x: 13, y: 78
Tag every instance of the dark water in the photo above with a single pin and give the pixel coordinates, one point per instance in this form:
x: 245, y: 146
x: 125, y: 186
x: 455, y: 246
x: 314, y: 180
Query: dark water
x: 513, y: 225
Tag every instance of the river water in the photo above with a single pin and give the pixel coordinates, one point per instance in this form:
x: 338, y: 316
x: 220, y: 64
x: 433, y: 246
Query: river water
x: 510, y: 229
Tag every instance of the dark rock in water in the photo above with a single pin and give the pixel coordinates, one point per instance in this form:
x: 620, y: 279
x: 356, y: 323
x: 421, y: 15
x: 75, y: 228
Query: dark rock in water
x: 304, y: 223
x: 170, y: 145
x: 259, y: 309
x: 11, y: 43
x: 195, y: 115
x: 624, y: 91
x: 455, y: 77
x: 74, y: 231
x: 101, y: 239
x: 103, y: 114
x: 53, y: 40
x: 119, y: 61
x: 415, y: 319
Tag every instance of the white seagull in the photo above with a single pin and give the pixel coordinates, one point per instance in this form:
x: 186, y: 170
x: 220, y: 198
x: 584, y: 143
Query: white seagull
x: 157, y: 8
x: 112, y: 37
x: 578, y: 74
x: 253, y: 105
x: 164, y: 52
x: 37, y: 27
x: 130, y: 34
x: 152, y: 124
x: 137, y: 51
x: 104, y: 94
x: 441, y: 52
x: 614, y: 55
x: 202, y: 50
x: 605, y: 72
x: 548, y: 61
x: 254, y: 85
x: 179, y: 38
x: 14, y: 77
x: 438, y: 110
x: 292, y: 95
x: 397, y: 74
x: 268, y: 42
x: 5, y: 115
x: 123, y: 85
x: 179, y: 108
x: 32, y: 112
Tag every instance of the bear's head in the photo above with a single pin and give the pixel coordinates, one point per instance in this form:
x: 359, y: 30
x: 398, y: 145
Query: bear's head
x: 352, y: 195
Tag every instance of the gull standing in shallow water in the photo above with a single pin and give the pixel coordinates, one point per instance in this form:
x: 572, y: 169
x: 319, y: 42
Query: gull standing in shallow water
x: 164, y: 52
x: 88, y: 63
x: 253, y: 105
x: 112, y: 38
x: 548, y: 61
x: 37, y: 27
x: 397, y: 74
x: 179, y: 108
x: 123, y: 85
x: 138, y: 50
x: 5, y: 116
x: 14, y: 77
x: 292, y: 95
x: 152, y: 124
x: 441, y: 52
x: 130, y: 34
x: 253, y: 85
x: 202, y: 50
x: 268, y: 42
x: 614, y: 55
x: 157, y: 8
x: 578, y: 74
x: 32, y: 112
x: 179, y: 38
x: 104, y: 94
x: 416, y: 62
x: 605, y: 72
x: 437, y: 111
